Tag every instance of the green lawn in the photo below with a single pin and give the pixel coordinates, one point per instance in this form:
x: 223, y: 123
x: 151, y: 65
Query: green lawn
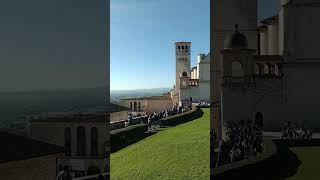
x: 181, y: 152
x: 310, y: 158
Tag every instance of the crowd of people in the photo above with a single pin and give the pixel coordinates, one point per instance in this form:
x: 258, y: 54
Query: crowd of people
x: 290, y: 131
x: 203, y: 103
x: 155, y: 118
x: 243, y: 140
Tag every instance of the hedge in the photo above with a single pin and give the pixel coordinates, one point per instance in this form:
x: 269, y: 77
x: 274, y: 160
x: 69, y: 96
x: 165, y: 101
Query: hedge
x: 195, y: 113
x: 123, y: 137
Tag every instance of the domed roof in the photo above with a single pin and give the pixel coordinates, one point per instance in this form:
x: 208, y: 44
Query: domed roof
x: 237, y: 40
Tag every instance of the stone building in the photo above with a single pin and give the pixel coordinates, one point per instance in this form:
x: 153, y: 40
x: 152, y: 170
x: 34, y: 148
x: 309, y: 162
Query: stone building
x: 27, y: 159
x: 143, y: 105
x: 269, y: 74
x: 224, y: 14
x: 118, y: 113
x: 85, y: 138
x: 191, y: 83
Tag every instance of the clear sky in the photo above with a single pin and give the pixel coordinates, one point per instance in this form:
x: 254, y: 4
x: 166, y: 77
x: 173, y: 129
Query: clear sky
x: 143, y: 33
x: 52, y: 44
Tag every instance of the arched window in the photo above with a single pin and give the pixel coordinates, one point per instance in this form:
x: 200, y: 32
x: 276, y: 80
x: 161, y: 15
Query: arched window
x: 81, y: 141
x: 94, y: 141
x: 135, y: 106
x: 139, y: 106
x: 67, y: 140
x: 237, y: 70
x: 131, y: 106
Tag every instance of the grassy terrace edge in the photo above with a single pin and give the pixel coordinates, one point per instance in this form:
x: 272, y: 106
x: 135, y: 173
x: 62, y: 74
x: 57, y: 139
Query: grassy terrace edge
x: 179, y: 152
x: 279, y: 161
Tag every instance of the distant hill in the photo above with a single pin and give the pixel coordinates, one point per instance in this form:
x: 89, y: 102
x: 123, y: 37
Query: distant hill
x: 18, y: 107
x: 115, y: 95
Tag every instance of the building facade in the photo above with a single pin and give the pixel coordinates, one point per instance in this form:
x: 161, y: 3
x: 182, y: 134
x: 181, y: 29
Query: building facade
x: 85, y: 138
x: 224, y: 14
x: 191, y: 83
x: 144, y: 105
x: 276, y: 79
x: 118, y: 113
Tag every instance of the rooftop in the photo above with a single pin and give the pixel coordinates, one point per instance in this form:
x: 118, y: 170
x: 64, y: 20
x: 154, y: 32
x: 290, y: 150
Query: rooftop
x: 15, y: 147
x: 80, y: 116
x: 72, y: 118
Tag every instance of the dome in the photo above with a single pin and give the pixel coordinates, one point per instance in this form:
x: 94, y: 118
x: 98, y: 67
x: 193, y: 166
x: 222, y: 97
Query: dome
x: 237, y: 40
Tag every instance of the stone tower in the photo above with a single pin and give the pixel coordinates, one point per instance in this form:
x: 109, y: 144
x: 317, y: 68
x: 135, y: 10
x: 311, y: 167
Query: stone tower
x: 182, y: 51
x: 224, y: 14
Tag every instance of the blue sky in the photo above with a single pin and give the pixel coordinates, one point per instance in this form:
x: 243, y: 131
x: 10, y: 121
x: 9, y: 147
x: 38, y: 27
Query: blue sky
x: 143, y: 33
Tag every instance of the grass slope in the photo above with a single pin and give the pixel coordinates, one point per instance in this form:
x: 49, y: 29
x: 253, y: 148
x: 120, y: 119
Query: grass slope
x: 181, y: 152
x: 310, y: 158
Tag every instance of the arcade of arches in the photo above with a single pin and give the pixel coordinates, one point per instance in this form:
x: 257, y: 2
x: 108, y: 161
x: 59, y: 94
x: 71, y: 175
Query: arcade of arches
x: 81, y: 141
x: 135, y: 106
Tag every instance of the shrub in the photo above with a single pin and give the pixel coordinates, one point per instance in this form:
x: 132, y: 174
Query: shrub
x: 122, y: 137
x: 195, y: 113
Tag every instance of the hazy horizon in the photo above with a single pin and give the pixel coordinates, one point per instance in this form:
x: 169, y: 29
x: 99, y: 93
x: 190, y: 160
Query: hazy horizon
x: 49, y: 44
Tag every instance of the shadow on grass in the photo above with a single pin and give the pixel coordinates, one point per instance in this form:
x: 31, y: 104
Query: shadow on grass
x: 281, y: 165
x: 130, y: 141
x: 131, y: 138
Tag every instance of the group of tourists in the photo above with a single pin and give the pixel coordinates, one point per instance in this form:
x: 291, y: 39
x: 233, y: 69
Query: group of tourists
x: 243, y: 140
x: 203, y: 103
x: 155, y: 118
x: 290, y: 131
